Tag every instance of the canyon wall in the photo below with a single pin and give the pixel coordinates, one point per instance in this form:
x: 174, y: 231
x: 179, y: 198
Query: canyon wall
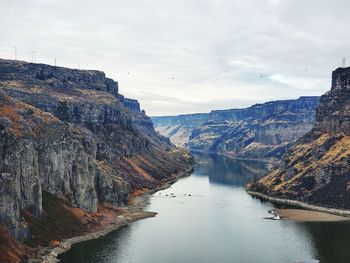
x: 316, y: 170
x: 69, y: 133
x: 260, y: 131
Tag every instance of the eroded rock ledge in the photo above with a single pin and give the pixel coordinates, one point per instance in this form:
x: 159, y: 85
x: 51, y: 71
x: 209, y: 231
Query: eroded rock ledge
x: 69, y: 133
x: 316, y: 170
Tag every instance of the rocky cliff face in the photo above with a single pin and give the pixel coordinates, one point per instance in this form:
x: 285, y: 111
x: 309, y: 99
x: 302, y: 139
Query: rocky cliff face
x: 316, y: 170
x: 179, y: 128
x: 71, y: 134
x: 260, y: 131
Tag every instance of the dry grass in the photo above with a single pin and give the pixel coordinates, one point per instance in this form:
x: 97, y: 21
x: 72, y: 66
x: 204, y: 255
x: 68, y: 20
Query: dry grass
x: 301, y: 161
x: 338, y: 151
x: 20, y: 113
x: 139, y: 170
x: 10, y: 249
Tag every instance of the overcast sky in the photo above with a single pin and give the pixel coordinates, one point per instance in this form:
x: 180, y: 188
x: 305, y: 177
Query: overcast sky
x: 187, y: 56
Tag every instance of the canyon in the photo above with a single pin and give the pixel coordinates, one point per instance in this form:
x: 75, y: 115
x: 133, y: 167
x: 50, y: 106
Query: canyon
x: 75, y: 153
x: 262, y: 131
x: 72, y: 152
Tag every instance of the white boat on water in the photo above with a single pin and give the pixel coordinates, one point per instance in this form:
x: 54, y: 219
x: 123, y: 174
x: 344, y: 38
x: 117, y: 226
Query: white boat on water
x: 275, y: 216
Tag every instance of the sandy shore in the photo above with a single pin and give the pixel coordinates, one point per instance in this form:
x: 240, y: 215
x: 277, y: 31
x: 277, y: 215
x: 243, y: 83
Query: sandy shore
x: 308, y: 213
x: 132, y: 212
x: 309, y: 216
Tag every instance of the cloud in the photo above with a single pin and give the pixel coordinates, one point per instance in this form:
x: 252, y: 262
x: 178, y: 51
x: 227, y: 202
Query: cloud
x: 191, y: 55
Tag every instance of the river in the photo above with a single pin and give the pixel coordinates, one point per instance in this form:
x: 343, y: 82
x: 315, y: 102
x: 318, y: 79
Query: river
x: 208, y: 217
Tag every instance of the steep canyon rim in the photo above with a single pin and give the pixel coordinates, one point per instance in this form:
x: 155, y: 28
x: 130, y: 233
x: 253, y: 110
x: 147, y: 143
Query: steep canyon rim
x: 71, y: 143
x: 73, y: 151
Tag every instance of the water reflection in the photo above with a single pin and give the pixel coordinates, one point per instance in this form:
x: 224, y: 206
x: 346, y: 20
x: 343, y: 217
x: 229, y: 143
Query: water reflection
x: 225, y: 170
x: 331, y: 240
x: 99, y: 250
x: 217, y: 223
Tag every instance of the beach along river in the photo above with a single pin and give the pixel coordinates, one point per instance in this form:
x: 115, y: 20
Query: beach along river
x: 208, y: 217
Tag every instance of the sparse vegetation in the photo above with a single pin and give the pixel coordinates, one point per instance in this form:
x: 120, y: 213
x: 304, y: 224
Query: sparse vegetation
x: 57, y: 222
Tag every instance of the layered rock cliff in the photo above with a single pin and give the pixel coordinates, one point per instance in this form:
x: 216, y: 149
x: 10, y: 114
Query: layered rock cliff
x: 260, y: 131
x: 316, y: 170
x: 70, y: 134
x: 179, y: 128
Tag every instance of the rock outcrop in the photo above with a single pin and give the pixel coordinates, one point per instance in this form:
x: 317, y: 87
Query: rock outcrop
x: 260, y: 131
x: 179, y: 128
x: 316, y: 170
x: 71, y: 134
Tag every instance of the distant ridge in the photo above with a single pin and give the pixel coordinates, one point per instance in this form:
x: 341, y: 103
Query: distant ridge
x: 262, y: 130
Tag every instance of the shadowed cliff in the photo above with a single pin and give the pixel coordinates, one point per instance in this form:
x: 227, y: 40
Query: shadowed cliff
x: 316, y: 170
x: 70, y: 134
